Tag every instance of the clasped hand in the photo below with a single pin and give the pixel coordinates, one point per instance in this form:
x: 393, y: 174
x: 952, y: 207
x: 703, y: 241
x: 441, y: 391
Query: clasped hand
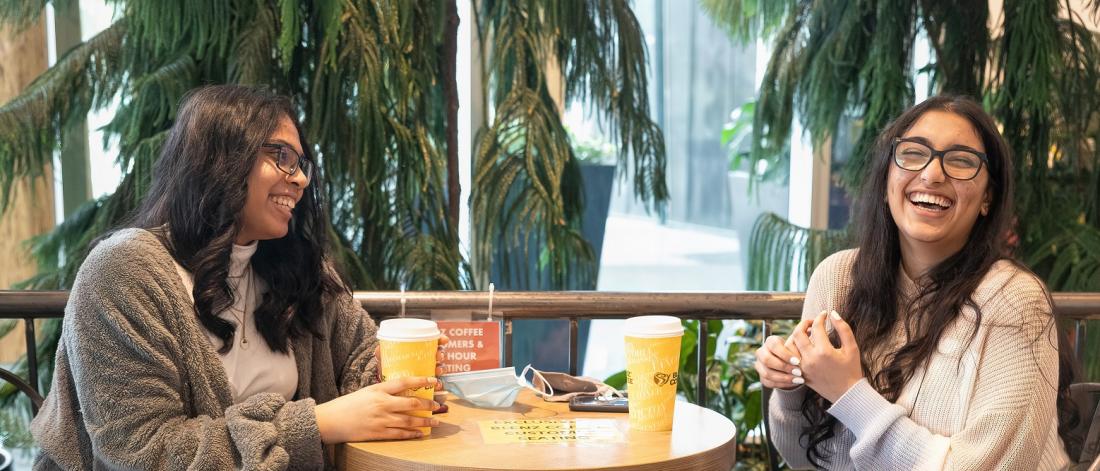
x: 809, y: 357
x: 378, y: 412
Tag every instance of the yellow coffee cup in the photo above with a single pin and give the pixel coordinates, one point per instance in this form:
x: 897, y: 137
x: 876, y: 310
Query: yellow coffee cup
x: 652, y: 367
x: 408, y: 349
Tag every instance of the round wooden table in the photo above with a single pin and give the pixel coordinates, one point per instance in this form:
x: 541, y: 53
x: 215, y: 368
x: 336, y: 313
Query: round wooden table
x: 701, y: 439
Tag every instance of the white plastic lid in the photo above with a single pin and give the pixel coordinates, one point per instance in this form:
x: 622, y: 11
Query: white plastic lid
x: 407, y: 329
x: 653, y: 327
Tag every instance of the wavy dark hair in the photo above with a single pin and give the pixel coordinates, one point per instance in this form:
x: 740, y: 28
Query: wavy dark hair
x: 872, y: 305
x: 194, y: 206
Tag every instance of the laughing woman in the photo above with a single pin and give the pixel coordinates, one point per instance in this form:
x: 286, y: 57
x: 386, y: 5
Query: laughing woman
x: 948, y: 355
x: 213, y: 334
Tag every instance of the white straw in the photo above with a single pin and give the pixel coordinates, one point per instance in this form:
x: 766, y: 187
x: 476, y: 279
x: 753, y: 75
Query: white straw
x: 491, y: 289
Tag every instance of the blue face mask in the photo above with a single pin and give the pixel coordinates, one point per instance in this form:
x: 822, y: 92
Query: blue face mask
x: 491, y: 388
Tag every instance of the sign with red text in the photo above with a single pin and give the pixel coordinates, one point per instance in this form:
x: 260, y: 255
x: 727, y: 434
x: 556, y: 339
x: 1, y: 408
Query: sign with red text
x: 474, y: 345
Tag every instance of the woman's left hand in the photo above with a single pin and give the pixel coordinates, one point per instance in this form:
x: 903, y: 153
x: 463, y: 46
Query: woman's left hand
x: 829, y: 370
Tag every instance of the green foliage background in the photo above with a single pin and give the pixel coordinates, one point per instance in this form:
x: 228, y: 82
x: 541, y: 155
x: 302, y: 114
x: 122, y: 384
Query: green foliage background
x: 369, y: 83
x: 1036, y: 69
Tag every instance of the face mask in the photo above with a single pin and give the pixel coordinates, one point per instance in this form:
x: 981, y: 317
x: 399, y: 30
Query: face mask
x: 491, y: 388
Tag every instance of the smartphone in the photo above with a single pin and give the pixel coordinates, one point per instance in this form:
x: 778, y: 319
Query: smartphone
x: 598, y: 404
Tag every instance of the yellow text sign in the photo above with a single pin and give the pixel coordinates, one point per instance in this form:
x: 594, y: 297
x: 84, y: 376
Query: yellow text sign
x: 495, y: 432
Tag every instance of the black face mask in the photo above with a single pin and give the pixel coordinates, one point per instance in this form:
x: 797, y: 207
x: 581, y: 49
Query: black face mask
x: 566, y: 386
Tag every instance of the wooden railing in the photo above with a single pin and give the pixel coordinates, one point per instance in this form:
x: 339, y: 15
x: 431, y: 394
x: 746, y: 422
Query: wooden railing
x: 572, y: 306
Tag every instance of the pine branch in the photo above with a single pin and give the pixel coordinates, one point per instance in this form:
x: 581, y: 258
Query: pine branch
x: 33, y: 124
x: 747, y: 20
x: 251, y: 57
x: 958, y: 33
x: 519, y: 190
x: 22, y: 13
x: 887, y: 88
x: 774, y: 110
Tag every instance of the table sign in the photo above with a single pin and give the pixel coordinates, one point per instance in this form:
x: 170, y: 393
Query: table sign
x: 700, y: 440
x: 474, y: 345
x: 497, y: 432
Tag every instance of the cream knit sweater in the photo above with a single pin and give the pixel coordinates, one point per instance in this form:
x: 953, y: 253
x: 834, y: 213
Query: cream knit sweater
x: 986, y: 403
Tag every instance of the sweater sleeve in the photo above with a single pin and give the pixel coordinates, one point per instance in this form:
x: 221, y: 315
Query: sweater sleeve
x: 785, y: 408
x: 126, y: 366
x: 1010, y: 413
x: 354, y: 341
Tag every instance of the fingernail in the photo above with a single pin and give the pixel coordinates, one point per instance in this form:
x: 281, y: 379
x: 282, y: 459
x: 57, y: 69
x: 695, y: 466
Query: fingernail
x: 798, y: 380
x: 797, y: 372
x: 835, y: 315
x: 795, y: 361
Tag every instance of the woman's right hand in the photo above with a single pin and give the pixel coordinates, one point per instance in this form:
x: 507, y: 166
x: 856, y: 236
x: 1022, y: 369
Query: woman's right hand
x: 777, y: 361
x: 376, y: 413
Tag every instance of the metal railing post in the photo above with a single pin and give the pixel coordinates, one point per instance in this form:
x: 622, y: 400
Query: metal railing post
x: 701, y: 349
x: 1080, y: 336
x: 574, y: 348
x: 507, y: 342
x: 32, y: 354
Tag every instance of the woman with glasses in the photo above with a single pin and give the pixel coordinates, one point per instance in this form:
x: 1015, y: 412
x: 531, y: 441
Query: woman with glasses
x: 927, y: 347
x: 213, y: 333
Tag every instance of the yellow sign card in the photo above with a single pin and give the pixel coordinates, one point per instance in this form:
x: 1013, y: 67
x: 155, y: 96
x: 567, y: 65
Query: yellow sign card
x: 495, y: 432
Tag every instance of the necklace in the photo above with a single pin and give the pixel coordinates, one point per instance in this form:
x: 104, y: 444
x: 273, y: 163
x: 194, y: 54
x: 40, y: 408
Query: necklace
x: 244, y: 309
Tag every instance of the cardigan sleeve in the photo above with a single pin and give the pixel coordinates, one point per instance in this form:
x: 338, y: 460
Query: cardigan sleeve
x: 126, y: 368
x: 1011, y: 411
x: 354, y: 340
x: 785, y: 408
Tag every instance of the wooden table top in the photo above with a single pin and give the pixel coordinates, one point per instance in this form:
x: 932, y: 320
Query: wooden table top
x: 701, y: 439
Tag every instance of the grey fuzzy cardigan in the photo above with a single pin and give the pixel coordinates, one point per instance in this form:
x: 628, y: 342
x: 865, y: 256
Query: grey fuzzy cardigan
x: 137, y: 384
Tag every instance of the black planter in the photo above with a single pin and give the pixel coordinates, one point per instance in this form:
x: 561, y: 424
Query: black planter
x: 545, y: 343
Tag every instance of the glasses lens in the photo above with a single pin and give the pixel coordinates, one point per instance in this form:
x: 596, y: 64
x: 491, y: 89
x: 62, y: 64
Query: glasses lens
x: 288, y: 160
x: 961, y: 164
x: 306, y: 167
x: 912, y: 155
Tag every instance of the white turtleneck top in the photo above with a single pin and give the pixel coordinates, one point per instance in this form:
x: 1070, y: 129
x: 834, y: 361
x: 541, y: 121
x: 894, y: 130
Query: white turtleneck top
x: 251, y: 367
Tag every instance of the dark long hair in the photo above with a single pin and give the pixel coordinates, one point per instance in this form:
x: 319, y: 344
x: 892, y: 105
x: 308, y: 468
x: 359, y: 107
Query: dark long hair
x: 872, y: 304
x: 194, y: 206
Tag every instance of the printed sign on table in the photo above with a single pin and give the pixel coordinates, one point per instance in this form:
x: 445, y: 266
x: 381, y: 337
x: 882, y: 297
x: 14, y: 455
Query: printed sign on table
x: 496, y: 432
x: 474, y: 345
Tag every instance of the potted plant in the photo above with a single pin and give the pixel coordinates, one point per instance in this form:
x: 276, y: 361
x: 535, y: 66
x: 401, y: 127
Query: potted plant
x: 538, y: 341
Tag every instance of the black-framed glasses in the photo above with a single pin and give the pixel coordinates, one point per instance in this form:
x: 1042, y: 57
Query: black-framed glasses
x: 960, y: 164
x: 289, y: 160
